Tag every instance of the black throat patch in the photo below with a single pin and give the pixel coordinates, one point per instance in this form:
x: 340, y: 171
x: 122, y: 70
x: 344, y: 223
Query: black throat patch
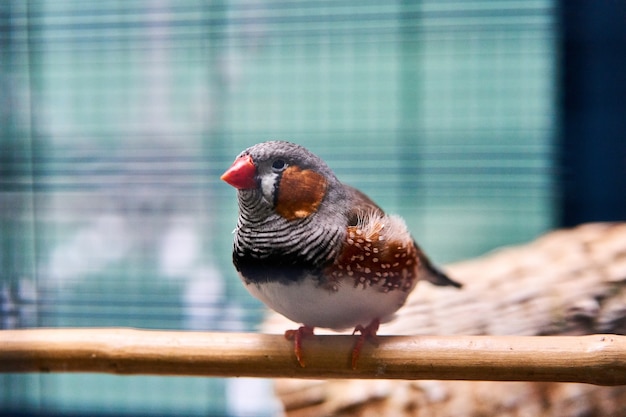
x: 283, y: 268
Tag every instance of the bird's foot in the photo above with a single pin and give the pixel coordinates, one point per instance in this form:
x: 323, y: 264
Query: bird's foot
x: 297, y: 336
x: 367, y: 332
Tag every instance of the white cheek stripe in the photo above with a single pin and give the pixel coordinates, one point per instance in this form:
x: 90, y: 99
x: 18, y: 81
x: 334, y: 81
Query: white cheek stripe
x: 268, y: 182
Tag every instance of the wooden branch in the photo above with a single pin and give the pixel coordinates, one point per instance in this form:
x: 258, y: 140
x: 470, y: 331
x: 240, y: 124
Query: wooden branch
x: 569, y: 282
x: 597, y: 359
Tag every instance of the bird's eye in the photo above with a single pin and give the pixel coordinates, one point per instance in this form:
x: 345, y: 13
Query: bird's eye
x: 279, y: 164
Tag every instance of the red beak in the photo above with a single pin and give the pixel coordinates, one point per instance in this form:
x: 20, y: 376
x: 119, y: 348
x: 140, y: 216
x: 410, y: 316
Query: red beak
x: 241, y: 173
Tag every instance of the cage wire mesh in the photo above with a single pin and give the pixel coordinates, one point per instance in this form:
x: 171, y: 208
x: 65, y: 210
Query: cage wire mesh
x: 118, y: 117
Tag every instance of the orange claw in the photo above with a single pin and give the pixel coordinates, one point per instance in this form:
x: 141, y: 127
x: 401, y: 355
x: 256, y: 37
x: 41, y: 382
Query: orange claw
x: 296, y: 336
x: 367, y: 332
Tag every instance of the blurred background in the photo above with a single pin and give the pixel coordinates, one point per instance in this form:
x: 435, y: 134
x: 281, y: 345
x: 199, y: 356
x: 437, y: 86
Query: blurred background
x: 483, y: 123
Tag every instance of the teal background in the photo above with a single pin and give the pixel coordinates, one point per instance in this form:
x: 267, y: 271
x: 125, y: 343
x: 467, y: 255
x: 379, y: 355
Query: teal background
x: 117, y: 118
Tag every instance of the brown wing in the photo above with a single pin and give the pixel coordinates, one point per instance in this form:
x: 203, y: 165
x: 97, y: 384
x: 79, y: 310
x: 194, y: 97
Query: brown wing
x: 361, y: 204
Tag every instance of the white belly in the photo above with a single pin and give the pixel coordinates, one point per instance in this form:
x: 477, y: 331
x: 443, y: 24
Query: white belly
x: 304, y: 302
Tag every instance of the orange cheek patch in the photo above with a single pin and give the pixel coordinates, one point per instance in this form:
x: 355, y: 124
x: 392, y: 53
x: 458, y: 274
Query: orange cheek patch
x: 300, y: 193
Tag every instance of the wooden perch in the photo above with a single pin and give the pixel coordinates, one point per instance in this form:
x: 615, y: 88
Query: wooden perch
x: 568, y: 282
x: 538, y: 299
x: 597, y: 359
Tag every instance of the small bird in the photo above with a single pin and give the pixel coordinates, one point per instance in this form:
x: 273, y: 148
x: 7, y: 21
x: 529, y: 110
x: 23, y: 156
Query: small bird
x: 318, y: 251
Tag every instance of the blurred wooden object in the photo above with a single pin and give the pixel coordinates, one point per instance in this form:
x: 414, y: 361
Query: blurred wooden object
x: 569, y: 282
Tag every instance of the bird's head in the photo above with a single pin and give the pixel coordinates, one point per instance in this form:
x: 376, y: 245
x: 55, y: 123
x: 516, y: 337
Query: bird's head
x: 282, y: 178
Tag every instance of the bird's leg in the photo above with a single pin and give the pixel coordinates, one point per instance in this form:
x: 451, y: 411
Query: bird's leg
x: 297, y: 336
x: 367, y: 332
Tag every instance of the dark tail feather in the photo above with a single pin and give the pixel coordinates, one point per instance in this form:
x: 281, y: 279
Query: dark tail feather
x: 437, y: 277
